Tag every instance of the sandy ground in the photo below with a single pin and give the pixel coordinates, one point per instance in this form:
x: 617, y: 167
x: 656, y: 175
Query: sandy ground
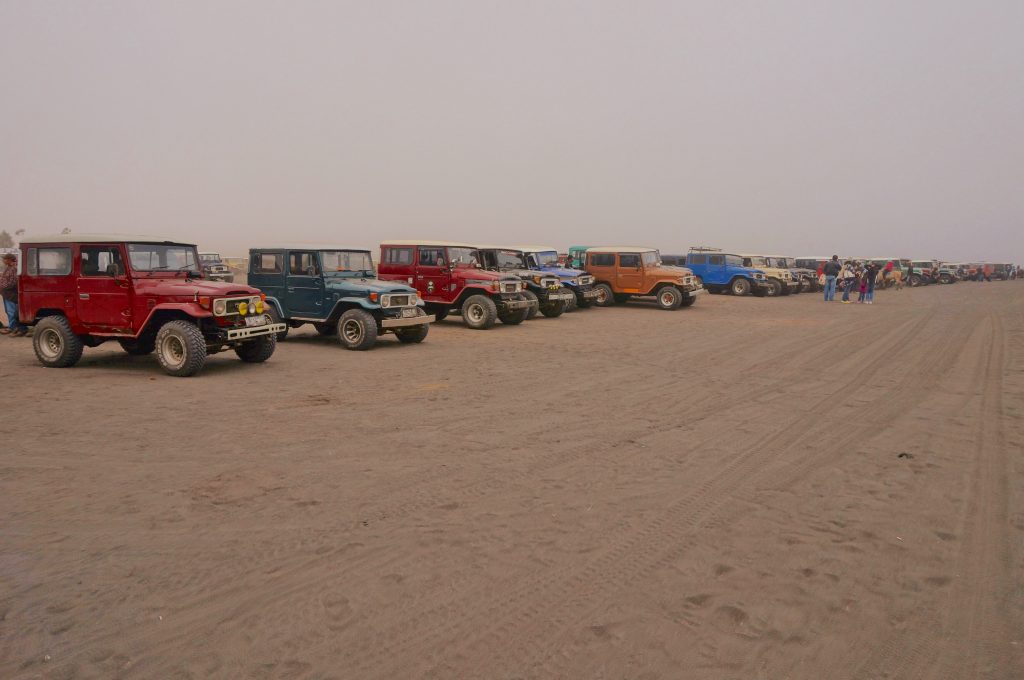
x: 748, y: 489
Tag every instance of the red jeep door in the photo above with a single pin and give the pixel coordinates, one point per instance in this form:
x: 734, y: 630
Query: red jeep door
x: 432, y: 274
x: 104, y: 295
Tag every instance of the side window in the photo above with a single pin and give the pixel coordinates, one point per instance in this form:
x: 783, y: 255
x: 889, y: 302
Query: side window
x: 49, y: 261
x: 401, y: 256
x: 629, y: 260
x: 716, y: 259
x: 101, y: 261
x: 267, y: 263
x: 602, y: 259
x: 431, y: 257
x: 303, y: 264
x: 698, y: 259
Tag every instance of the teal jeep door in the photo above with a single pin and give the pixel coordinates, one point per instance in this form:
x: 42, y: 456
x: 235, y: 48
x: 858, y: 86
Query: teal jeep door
x: 304, y: 286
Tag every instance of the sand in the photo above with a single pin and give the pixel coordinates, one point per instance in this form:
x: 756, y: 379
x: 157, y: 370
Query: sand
x: 748, y: 489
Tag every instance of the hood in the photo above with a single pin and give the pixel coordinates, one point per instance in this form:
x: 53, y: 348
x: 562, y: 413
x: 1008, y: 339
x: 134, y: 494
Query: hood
x: 671, y: 270
x: 360, y: 286
x: 178, y: 286
x: 563, y: 272
x: 475, y: 274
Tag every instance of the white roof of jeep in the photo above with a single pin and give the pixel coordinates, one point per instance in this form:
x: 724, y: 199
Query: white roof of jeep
x: 423, y: 242
x: 101, y: 238
x: 535, y: 249
x: 621, y: 249
x: 309, y: 246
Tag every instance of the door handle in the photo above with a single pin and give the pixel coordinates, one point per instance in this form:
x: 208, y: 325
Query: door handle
x: 83, y: 296
x: 290, y: 289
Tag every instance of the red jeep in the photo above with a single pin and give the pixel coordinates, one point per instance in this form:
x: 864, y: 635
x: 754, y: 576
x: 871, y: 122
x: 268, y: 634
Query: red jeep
x: 146, y: 293
x: 449, y: 278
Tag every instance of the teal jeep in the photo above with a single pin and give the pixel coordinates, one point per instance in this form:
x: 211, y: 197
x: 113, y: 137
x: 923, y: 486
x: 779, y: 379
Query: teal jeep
x: 335, y: 289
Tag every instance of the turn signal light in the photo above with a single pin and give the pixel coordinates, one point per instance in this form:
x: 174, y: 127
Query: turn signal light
x: 373, y: 297
x: 204, y: 302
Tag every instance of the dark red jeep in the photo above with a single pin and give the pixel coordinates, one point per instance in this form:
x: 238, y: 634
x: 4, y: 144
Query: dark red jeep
x: 449, y: 278
x: 148, y: 294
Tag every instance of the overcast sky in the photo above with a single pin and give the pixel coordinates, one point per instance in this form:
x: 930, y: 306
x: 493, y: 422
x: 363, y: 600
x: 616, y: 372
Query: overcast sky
x: 863, y: 127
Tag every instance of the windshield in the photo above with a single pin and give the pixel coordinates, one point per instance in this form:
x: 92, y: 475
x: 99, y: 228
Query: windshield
x: 651, y: 258
x: 548, y: 258
x: 756, y: 262
x: 779, y: 262
x: 510, y: 259
x: 346, y: 263
x: 463, y: 256
x: 153, y: 257
x: 209, y: 257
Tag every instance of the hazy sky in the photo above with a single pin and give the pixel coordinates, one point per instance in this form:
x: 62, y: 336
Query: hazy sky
x: 861, y: 127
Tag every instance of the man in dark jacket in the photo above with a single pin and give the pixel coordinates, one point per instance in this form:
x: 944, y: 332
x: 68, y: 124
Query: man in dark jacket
x: 9, y: 291
x: 831, y: 270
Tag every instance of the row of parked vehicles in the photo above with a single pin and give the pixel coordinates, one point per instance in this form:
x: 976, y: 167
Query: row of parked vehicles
x: 163, y: 297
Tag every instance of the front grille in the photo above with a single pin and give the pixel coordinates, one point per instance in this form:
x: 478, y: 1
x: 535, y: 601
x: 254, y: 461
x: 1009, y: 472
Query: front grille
x: 510, y: 287
x: 395, y: 300
x: 232, y: 305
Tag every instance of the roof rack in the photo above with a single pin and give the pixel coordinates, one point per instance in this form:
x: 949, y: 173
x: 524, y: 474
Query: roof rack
x: 704, y: 249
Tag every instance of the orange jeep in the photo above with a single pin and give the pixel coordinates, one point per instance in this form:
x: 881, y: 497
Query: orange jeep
x: 623, y: 272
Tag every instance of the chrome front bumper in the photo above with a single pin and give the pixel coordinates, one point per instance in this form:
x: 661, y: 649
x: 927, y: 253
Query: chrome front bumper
x: 254, y: 331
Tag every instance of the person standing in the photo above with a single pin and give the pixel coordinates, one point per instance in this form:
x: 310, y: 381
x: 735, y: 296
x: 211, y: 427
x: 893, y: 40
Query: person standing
x: 910, y: 274
x: 847, y: 278
x: 862, y: 272
x: 9, y: 291
x: 872, y: 275
x: 831, y: 271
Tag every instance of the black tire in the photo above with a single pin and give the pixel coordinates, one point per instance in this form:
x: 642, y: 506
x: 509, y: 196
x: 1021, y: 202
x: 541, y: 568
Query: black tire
x: 785, y: 289
x: 328, y: 330
x: 739, y: 286
x: 605, y: 296
x: 413, y: 333
x: 479, y: 312
x: 688, y: 300
x: 180, y: 348
x: 138, y: 348
x: 357, y: 330
x: 276, y: 318
x: 257, y: 350
x: 553, y: 310
x: 570, y: 304
x: 439, y: 312
x: 56, y: 346
x: 621, y: 298
x: 534, y: 306
x: 514, y: 318
x: 806, y: 286
x: 669, y: 297
x: 774, y: 288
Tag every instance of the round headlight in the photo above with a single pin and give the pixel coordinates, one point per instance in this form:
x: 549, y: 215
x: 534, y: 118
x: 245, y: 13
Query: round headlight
x: 243, y: 308
x: 220, y: 307
x: 385, y: 300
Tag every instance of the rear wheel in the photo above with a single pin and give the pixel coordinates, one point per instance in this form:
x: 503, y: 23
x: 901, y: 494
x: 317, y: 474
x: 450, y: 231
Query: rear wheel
x: 479, y: 312
x: 357, y: 330
x: 56, y: 346
x: 740, y: 287
x: 413, y: 333
x: 669, y: 297
x: 258, y: 350
x: 534, y: 304
x: 605, y: 297
x: 138, y: 348
x: 275, y: 318
x: 180, y: 348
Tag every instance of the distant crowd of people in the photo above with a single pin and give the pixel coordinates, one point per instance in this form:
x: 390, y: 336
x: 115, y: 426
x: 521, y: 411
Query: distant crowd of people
x: 853, y: 276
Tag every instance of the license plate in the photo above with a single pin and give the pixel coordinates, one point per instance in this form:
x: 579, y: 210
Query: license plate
x: 256, y: 320
x: 408, y: 313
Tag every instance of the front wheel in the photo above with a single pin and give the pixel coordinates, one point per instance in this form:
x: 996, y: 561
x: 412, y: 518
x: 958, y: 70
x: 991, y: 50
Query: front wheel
x: 669, y: 297
x: 514, y: 318
x: 357, y: 330
x: 180, y: 348
x: 740, y: 287
x: 605, y: 296
x: 479, y: 312
x: 534, y: 304
x: 553, y: 310
x: 413, y: 333
x: 570, y: 304
x: 276, y: 318
x: 774, y: 288
x: 55, y: 344
x: 258, y: 350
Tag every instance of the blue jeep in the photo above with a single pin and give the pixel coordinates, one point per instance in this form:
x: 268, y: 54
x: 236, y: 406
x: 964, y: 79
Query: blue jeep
x: 335, y: 289
x: 724, y: 273
x: 577, y: 281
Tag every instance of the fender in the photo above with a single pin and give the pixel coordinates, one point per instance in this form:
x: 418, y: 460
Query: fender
x: 188, y: 308
x: 276, y: 304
